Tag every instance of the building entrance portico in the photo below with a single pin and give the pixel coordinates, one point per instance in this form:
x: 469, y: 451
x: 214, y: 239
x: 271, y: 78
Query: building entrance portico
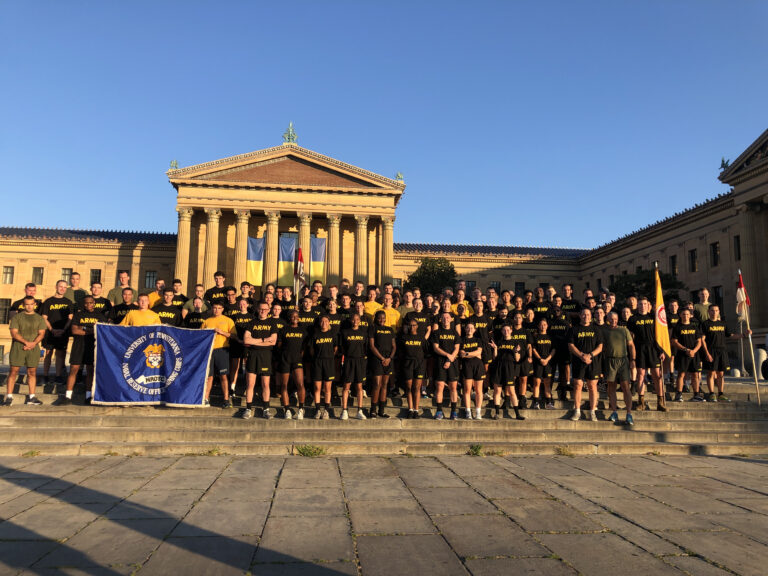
x: 263, y: 194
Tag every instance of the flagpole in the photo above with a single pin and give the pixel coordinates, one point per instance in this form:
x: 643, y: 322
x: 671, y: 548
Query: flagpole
x: 751, y: 350
x: 662, y: 387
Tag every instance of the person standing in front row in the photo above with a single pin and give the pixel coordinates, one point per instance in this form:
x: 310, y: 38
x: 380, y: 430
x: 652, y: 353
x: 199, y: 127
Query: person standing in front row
x: 27, y: 331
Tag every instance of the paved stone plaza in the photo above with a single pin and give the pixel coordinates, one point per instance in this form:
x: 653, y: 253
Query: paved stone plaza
x: 369, y: 515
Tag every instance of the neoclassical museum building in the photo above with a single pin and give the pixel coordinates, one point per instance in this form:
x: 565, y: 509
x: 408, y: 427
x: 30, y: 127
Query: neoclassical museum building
x: 290, y: 190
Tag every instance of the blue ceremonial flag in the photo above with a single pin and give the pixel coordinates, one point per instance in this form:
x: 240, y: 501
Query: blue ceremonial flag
x: 151, y: 365
x: 317, y: 259
x: 255, y: 261
x: 287, y: 254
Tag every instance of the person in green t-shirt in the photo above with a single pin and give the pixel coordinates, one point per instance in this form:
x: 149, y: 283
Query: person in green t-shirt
x: 27, y: 331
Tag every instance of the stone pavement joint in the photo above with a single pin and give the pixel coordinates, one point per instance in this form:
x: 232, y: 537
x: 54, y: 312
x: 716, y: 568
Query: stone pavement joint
x: 384, y: 515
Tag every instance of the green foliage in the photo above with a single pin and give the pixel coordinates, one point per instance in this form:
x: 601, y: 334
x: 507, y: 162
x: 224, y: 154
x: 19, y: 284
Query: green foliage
x: 642, y: 284
x: 310, y: 451
x: 432, y: 275
x: 475, y: 450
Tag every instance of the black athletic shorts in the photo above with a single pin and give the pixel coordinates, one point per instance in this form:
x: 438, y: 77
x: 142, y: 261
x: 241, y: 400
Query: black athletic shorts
x: 450, y: 374
x: 720, y: 362
x: 219, y: 362
x: 473, y: 369
x: 286, y: 366
x: 581, y: 371
x: 81, y: 353
x: 353, y: 371
x: 324, y: 370
x: 414, y: 370
x: 540, y: 371
x: 376, y: 368
x: 51, y: 342
x: 259, y: 362
x: 647, y: 357
x: 526, y: 368
x: 684, y: 363
x: 237, y: 350
x: 562, y: 356
x: 506, y: 373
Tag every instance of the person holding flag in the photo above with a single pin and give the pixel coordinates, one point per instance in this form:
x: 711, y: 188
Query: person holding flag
x: 742, y: 309
x: 714, y: 343
x: 299, y: 276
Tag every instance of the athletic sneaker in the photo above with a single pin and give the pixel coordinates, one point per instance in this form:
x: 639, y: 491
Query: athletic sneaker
x: 698, y: 398
x: 206, y: 402
x: 34, y: 401
x: 678, y: 397
x: 468, y: 414
x: 576, y: 416
x: 550, y: 405
x: 723, y: 398
x: 478, y: 414
x: 300, y: 414
x: 344, y: 415
x: 247, y: 414
x: 523, y: 404
x: 63, y: 401
x: 439, y: 415
x: 287, y: 414
x: 630, y: 421
x: 383, y: 414
x: 87, y: 401
x: 227, y: 404
x: 535, y: 404
x: 268, y: 414
x: 372, y: 414
x: 360, y: 414
x: 495, y: 416
x: 711, y: 397
x: 8, y: 401
x: 424, y: 392
x: 325, y: 415
x: 318, y: 413
x: 454, y: 415
x: 592, y: 416
x: 614, y: 417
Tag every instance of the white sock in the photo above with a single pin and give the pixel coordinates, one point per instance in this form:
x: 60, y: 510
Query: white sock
x: 68, y: 394
x: 9, y: 395
x: 31, y: 395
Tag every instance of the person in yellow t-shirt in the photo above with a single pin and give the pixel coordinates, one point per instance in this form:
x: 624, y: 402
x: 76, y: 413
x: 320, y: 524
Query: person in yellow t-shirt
x: 391, y: 315
x: 143, y: 316
x: 157, y: 295
x: 371, y: 306
x: 460, y: 298
x: 225, y: 329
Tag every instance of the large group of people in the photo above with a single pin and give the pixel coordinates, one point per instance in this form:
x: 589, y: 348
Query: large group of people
x: 460, y: 349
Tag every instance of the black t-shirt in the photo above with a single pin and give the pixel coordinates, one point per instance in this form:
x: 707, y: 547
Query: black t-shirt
x: 231, y: 309
x: 262, y: 329
x: 558, y: 330
x: 118, y: 312
x: 571, y: 309
x: 307, y: 319
x: 437, y: 320
x: 383, y: 339
x: 446, y: 339
x: 242, y: 323
x: 483, y: 325
x: 715, y: 332
x: 542, y: 344
x: 642, y: 328
x: 585, y: 338
x: 470, y: 344
x: 291, y: 341
x: 323, y: 345
x: 541, y: 310
x: 87, y: 320
x: 102, y: 305
x: 506, y: 349
x: 498, y: 324
x: 334, y: 319
x: 169, y: 314
x: 672, y: 321
x: 687, y: 335
x: 412, y: 347
x: 214, y: 295
x: 522, y: 337
x: 423, y: 319
x: 179, y: 300
x: 18, y: 306
x: 195, y: 319
x: 58, y: 311
x: 354, y: 343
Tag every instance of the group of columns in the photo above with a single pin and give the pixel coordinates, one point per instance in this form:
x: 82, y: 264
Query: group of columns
x: 333, y: 265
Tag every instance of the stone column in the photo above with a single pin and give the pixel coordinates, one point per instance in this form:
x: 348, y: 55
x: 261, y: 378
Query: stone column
x: 304, y: 222
x: 752, y: 253
x: 332, y: 249
x: 211, y: 261
x: 241, y: 245
x: 361, y: 249
x: 387, y: 248
x: 182, y: 247
x: 270, y: 250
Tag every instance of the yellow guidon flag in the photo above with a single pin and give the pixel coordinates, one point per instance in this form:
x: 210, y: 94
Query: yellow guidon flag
x: 660, y: 312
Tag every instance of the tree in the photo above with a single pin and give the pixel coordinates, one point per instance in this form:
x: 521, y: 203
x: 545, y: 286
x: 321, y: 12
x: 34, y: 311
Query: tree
x: 432, y: 275
x: 642, y: 284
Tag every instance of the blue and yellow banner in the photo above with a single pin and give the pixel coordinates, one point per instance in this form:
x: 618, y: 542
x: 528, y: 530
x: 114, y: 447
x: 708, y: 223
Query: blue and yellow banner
x: 285, y: 261
x: 254, y: 268
x: 151, y: 365
x: 317, y: 260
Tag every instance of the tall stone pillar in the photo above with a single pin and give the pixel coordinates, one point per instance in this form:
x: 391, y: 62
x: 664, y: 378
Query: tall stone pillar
x: 304, y: 234
x: 270, y: 250
x: 387, y: 248
x: 183, y: 248
x: 332, y: 250
x: 211, y: 262
x: 753, y: 253
x: 361, y: 249
x: 241, y: 245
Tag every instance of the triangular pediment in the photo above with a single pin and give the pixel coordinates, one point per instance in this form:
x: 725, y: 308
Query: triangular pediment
x: 753, y: 158
x: 288, y: 165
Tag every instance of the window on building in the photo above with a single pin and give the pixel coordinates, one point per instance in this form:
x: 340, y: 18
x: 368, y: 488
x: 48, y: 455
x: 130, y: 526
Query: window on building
x: 737, y: 247
x: 588, y: 287
x: 693, y: 261
x: 496, y: 285
x: 717, y: 298
x: 95, y: 275
x: 611, y: 279
x: 470, y: 286
x: 37, y: 275
x: 5, y: 310
x: 66, y: 274
x: 714, y: 254
x: 673, y: 265
x: 599, y: 283
x: 150, y: 277
x: 8, y: 274
x: 519, y: 288
x: 638, y: 270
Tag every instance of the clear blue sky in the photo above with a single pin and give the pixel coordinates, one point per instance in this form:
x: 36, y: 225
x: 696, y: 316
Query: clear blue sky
x: 558, y: 123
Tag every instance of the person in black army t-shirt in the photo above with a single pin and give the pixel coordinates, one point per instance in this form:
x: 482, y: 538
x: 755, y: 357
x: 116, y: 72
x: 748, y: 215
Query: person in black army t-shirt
x: 260, y: 338
x: 121, y: 310
x: 472, y: 370
x: 100, y: 304
x: 381, y: 353
x: 649, y: 355
x: 715, y: 334
x: 169, y: 314
x: 586, y: 344
x: 673, y: 318
x: 179, y: 299
x: 30, y: 289
x: 559, y: 327
x: 83, y: 345
x: 217, y: 293
x: 292, y: 341
x: 57, y: 312
x: 543, y: 348
x: 243, y: 320
x: 322, y: 345
x: 686, y: 339
x: 445, y: 346
x: 197, y: 316
x: 505, y: 369
x: 413, y: 346
x: 522, y: 336
x: 354, y: 344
